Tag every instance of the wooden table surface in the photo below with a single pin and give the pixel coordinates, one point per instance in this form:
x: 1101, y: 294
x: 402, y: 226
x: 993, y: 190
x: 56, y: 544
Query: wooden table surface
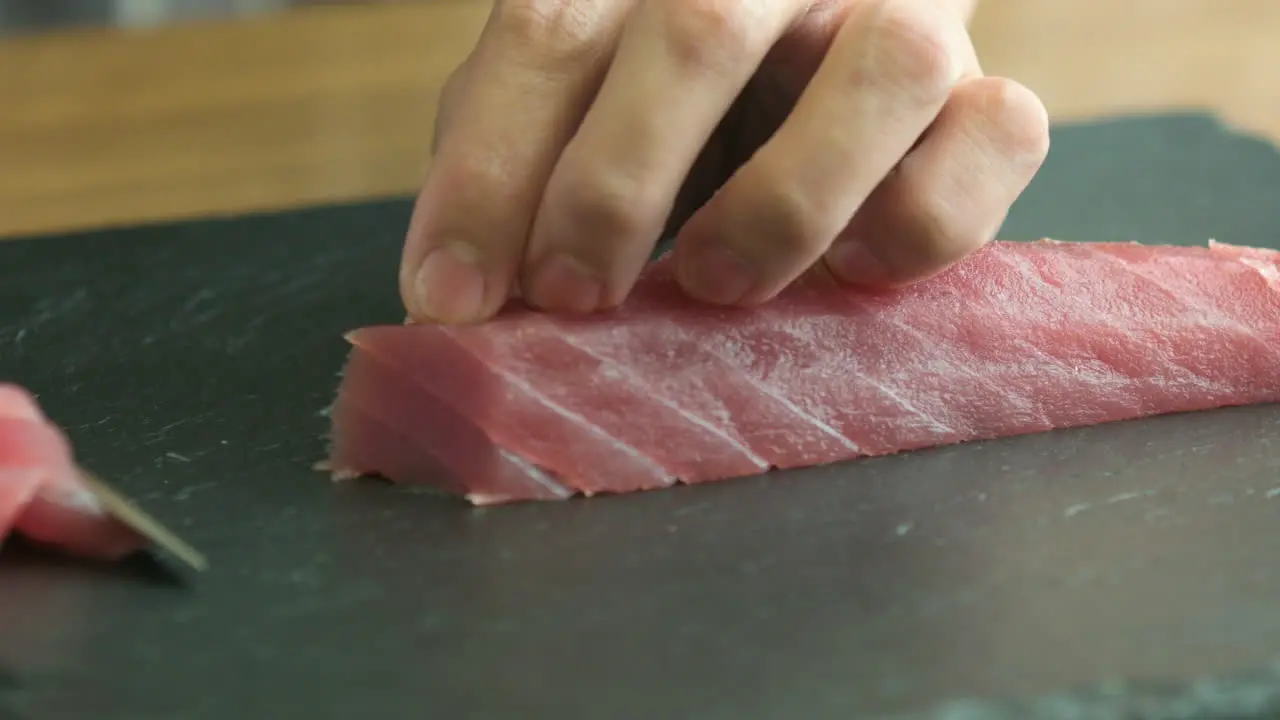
x: 336, y: 103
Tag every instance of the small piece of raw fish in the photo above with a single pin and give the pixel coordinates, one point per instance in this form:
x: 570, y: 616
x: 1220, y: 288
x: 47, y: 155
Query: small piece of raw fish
x: 43, y: 494
x: 1018, y: 338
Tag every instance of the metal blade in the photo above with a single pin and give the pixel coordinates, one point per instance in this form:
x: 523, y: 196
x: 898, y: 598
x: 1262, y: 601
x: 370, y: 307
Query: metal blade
x: 130, y: 514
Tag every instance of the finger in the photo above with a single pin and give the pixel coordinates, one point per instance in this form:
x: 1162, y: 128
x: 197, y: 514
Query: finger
x: 951, y: 194
x: 446, y: 102
x: 965, y: 8
x: 525, y: 87
x: 679, y: 66
x: 886, y: 77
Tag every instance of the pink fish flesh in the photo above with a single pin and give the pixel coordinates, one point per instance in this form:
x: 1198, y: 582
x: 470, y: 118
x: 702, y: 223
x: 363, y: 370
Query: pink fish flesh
x: 42, y: 495
x: 1018, y: 338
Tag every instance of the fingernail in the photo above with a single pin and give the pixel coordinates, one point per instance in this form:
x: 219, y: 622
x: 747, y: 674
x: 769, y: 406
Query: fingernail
x: 853, y: 262
x: 450, y: 284
x: 713, y: 273
x: 563, y: 283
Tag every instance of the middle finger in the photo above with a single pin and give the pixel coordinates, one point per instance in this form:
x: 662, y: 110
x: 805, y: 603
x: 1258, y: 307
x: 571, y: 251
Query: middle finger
x: 679, y: 67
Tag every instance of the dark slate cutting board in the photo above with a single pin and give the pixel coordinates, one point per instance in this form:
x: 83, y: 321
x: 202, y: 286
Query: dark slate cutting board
x: 191, y: 363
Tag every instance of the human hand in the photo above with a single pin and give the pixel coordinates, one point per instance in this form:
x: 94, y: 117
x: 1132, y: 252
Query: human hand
x: 772, y: 134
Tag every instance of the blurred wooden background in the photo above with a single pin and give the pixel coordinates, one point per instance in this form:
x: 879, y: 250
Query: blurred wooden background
x: 199, y: 107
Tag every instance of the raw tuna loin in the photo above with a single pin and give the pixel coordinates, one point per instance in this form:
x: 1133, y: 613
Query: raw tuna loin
x: 1018, y: 338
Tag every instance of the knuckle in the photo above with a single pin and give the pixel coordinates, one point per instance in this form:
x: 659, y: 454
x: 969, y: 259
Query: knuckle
x: 938, y: 239
x: 606, y: 204
x: 914, y: 52
x: 711, y: 33
x: 447, y: 103
x: 558, y: 31
x: 471, y: 182
x: 789, y: 221
x: 1018, y: 119
x: 936, y: 227
x: 453, y: 84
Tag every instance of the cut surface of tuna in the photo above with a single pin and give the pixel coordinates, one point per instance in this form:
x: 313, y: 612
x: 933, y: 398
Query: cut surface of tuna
x: 1018, y: 338
x: 43, y: 495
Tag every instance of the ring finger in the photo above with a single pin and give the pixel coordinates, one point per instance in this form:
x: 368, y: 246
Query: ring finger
x: 952, y: 193
x: 885, y: 79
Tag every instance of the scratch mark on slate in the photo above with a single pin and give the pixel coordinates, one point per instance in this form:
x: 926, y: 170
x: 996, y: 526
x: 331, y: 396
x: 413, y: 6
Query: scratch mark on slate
x: 1076, y: 509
